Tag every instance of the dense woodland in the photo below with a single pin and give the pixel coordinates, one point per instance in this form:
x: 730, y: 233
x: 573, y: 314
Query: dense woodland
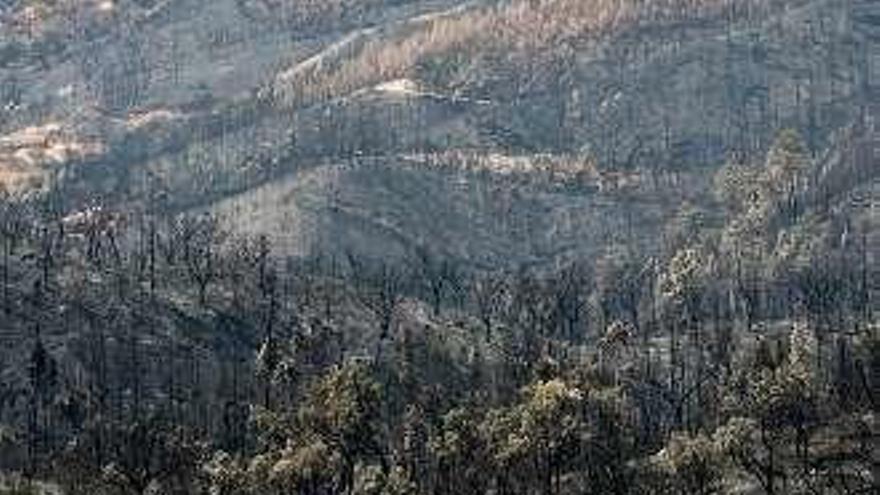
x: 745, y: 357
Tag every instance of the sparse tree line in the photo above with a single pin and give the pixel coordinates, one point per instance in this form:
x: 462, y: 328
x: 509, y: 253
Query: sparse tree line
x: 202, y: 362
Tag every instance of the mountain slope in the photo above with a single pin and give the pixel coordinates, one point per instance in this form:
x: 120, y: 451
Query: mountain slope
x: 213, y: 100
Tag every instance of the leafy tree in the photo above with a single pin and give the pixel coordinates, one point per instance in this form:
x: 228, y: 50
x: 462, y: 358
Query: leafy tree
x: 225, y: 475
x: 691, y: 464
x: 737, y: 185
x: 308, y: 464
x: 343, y: 410
x: 372, y: 480
x: 457, y: 449
x: 539, y: 438
x: 778, y: 406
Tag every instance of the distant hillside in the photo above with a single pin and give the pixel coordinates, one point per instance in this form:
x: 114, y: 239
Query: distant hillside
x: 204, y: 103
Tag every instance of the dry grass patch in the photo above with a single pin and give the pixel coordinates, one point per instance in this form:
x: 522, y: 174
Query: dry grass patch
x: 522, y: 29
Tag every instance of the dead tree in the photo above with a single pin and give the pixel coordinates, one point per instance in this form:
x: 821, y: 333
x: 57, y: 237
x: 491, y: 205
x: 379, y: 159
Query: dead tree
x: 380, y: 289
x: 437, y: 277
x: 13, y: 228
x: 569, y: 292
x: 489, y: 293
x: 202, y: 239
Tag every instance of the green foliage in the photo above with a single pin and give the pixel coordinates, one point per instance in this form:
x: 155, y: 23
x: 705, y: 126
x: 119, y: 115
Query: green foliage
x: 225, y: 475
x: 458, y: 450
x: 372, y: 480
x: 330, y: 441
x: 737, y: 186
x: 549, y: 419
x: 779, y: 390
x: 540, y: 437
x: 683, y: 280
x: 398, y: 482
x: 691, y: 464
x: 773, y: 405
x: 308, y: 461
x: 762, y: 204
x: 343, y: 408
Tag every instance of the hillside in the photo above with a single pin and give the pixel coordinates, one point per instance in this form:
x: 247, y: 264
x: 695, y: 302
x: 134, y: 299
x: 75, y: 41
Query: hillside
x: 666, y: 90
x: 439, y: 247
